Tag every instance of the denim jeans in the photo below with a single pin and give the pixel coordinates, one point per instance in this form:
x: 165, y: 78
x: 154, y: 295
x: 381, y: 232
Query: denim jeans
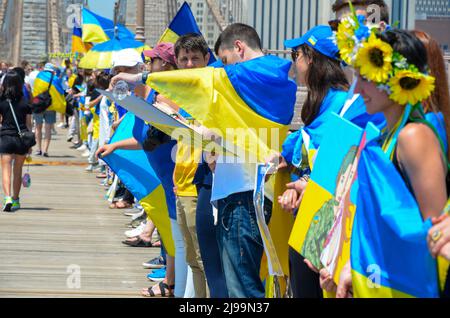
x: 240, y: 245
x: 206, y: 233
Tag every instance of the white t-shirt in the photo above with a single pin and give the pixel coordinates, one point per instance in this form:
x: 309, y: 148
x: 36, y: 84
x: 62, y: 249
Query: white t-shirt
x: 31, y: 78
x: 230, y: 178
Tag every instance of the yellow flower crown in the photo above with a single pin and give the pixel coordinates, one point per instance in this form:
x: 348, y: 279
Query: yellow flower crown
x: 376, y: 60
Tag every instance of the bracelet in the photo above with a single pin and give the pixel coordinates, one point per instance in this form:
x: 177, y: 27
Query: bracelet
x: 145, y: 77
x: 306, y: 177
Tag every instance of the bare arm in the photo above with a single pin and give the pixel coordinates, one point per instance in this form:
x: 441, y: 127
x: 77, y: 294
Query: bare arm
x: 421, y: 157
x: 95, y: 101
x: 128, y: 144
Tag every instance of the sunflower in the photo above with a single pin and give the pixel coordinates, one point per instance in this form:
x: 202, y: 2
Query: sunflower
x: 345, y: 38
x: 410, y: 87
x: 374, y: 59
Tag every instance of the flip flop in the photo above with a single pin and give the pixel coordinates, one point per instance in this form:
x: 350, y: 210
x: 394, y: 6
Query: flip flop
x: 139, y: 243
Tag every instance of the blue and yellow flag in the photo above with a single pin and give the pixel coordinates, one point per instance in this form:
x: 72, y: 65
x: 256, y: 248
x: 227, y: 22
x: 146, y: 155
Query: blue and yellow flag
x: 78, y: 46
x: 256, y: 96
x: 97, y: 29
x: 389, y: 253
x: 323, y: 226
x: 135, y: 170
x: 183, y: 23
x: 101, y: 55
x: 41, y: 85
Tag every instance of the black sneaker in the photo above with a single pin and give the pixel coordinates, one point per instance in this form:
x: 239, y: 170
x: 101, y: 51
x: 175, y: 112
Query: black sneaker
x: 45, y: 155
x: 38, y: 153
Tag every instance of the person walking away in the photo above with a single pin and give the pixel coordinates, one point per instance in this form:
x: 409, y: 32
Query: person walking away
x: 13, y: 152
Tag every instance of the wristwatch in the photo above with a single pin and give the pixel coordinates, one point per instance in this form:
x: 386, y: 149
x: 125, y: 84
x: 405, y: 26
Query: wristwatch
x: 145, y: 77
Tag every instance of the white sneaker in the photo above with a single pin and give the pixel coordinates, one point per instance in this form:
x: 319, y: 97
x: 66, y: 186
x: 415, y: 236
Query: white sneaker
x: 82, y: 148
x: 60, y: 125
x: 137, y: 231
x: 86, y: 154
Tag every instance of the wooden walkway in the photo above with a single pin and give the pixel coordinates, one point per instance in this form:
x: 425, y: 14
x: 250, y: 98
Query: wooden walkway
x: 64, y: 229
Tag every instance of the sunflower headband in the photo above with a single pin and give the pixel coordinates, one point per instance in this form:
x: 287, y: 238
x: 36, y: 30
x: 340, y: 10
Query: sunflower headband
x: 377, y: 62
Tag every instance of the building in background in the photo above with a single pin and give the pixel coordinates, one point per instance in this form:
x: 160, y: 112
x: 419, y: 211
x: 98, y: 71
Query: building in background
x: 158, y: 14
x: 433, y: 17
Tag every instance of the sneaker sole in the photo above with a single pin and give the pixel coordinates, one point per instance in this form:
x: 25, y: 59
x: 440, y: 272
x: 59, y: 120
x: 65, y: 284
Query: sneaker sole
x: 151, y: 266
x: 156, y: 280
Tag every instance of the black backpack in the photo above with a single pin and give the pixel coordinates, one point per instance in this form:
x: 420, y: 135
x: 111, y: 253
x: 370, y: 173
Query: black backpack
x: 43, y: 101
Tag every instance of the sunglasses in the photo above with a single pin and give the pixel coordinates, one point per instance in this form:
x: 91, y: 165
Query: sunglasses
x: 334, y: 24
x: 294, y: 55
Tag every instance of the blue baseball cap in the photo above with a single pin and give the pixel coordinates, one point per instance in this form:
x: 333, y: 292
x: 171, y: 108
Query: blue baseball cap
x: 320, y: 38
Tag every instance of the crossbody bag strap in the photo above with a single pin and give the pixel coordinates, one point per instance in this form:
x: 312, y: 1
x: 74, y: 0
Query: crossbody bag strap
x: 15, y: 118
x: 51, y: 82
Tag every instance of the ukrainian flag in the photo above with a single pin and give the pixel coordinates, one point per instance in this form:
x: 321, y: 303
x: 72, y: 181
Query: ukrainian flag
x: 78, y: 46
x: 97, y: 29
x: 101, y: 55
x: 389, y: 253
x: 256, y: 96
x: 41, y: 85
x: 183, y: 23
x: 135, y: 171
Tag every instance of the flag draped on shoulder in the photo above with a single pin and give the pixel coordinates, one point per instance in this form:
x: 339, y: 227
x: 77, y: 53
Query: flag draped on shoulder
x: 41, y: 85
x: 255, y: 99
x: 236, y: 97
x: 183, y: 23
x: 136, y: 172
x: 97, y: 29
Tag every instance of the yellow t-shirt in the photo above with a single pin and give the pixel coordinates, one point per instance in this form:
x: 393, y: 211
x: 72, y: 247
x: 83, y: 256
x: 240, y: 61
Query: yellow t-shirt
x: 187, y: 160
x: 96, y: 124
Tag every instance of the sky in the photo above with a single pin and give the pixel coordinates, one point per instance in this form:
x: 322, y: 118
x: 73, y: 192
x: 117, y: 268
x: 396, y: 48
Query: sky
x: 104, y: 8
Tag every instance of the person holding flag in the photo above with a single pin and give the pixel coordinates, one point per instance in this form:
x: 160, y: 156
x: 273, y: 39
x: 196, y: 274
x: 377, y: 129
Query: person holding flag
x: 402, y: 174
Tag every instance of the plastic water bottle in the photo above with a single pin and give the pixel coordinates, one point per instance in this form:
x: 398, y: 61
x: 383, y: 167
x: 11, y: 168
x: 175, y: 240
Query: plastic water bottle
x: 120, y: 91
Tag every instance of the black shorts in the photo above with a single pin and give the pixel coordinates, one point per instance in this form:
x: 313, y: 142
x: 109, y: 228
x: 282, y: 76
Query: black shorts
x: 12, y: 145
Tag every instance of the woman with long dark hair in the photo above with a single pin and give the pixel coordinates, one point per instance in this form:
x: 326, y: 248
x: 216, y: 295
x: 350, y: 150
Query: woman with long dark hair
x: 318, y: 68
x: 393, y: 78
x: 12, y: 150
x: 437, y: 107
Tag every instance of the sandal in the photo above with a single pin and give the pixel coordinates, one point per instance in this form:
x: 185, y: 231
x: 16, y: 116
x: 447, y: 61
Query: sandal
x: 138, y: 243
x: 162, y: 288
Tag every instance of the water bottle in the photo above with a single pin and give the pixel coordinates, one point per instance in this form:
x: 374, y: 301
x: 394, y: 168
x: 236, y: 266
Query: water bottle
x: 121, y: 90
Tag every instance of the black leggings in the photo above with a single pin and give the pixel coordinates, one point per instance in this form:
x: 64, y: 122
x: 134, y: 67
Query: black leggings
x: 304, y: 282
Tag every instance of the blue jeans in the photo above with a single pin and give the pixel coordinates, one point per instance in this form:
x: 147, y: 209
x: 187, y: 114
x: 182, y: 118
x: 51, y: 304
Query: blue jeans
x: 209, y: 250
x: 180, y: 260
x: 240, y: 245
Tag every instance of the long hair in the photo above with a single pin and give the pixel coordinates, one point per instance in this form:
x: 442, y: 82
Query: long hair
x: 439, y: 101
x: 323, y: 73
x: 12, y: 87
